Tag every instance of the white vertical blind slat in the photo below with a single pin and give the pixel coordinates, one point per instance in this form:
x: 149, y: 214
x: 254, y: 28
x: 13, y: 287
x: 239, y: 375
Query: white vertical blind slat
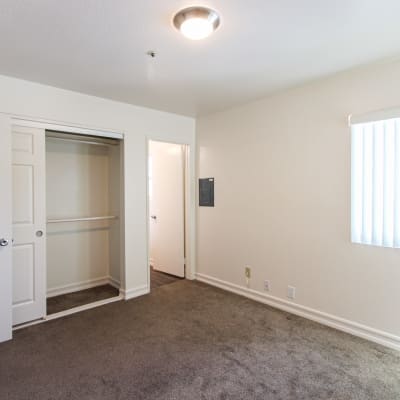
x: 377, y: 212
x: 367, y: 184
x: 356, y: 187
x: 388, y: 191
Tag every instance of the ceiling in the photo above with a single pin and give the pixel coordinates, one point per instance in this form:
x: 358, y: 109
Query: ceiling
x: 99, y: 47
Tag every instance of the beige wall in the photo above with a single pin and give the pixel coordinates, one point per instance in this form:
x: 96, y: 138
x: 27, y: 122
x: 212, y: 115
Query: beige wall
x: 282, y: 195
x: 22, y: 98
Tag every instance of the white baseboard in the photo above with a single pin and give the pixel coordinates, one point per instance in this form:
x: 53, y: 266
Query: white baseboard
x: 135, y: 292
x: 354, y: 328
x: 114, y: 282
x: 75, y: 287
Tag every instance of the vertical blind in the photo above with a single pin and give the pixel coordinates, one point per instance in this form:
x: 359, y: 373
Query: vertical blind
x: 375, y: 183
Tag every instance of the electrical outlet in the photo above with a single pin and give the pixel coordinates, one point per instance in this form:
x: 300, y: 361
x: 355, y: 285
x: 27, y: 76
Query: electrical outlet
x: 291, y: 292
x: 247, y: 271
x: 266, y: 285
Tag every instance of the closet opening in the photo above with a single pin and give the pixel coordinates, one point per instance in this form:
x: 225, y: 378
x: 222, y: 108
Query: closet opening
x: 83, y: 213
x: 167, y: 201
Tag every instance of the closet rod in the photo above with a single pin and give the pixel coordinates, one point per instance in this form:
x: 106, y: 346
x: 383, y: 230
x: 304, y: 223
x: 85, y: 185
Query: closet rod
x: 81, y: 141
x: 55, y: 221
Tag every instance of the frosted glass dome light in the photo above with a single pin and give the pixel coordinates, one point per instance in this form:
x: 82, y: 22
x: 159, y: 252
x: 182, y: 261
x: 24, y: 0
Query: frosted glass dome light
x: 196, y: 23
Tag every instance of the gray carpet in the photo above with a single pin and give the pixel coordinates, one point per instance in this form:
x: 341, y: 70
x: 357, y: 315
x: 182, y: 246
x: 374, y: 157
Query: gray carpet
x: 66, y: 301
x: 187, y: 340
x: 158, y: 279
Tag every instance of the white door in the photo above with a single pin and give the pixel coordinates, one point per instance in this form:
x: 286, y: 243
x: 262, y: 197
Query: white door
x: 29, y: 224
x: 5, y: 229
x: 166, y: 196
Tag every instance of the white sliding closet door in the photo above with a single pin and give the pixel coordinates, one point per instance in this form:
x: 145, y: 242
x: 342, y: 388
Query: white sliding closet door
x: 29, y: 224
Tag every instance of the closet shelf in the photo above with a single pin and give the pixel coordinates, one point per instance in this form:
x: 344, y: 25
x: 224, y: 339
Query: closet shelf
x: 105, y: 217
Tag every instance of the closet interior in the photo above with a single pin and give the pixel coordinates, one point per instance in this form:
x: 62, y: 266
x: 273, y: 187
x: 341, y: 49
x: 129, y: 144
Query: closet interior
x: 83, y: 209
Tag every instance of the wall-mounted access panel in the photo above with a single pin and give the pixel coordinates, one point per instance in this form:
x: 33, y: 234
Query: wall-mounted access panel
x: 206, y: 192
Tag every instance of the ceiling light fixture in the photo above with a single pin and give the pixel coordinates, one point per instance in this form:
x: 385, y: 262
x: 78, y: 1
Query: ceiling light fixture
x: 196, y: 23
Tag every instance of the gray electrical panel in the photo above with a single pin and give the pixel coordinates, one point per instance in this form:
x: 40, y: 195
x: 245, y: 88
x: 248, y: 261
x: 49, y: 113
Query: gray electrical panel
x: 206, y: 192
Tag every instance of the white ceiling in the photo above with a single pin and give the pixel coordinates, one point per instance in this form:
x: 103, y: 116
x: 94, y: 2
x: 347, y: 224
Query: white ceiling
x: 99, y: 47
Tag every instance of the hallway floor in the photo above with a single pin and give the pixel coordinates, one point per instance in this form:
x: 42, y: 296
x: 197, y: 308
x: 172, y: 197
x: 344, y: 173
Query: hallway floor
x: 158, y: 279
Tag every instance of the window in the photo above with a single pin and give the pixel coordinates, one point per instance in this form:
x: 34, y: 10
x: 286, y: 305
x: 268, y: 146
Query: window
x: 375, y: 197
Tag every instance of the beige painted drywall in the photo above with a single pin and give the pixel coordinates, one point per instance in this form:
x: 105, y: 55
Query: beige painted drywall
x: 18, y: 97
x: 282, y: 198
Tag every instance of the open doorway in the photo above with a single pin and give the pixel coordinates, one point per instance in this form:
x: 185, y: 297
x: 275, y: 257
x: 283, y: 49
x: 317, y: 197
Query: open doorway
x: 166, y: 194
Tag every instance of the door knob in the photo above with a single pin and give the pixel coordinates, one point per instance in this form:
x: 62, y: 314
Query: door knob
x: 39, y: 233
x: 3, y: 242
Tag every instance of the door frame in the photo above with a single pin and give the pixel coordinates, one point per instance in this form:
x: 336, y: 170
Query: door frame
x: 189, y: 206
x: 6, y: 229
